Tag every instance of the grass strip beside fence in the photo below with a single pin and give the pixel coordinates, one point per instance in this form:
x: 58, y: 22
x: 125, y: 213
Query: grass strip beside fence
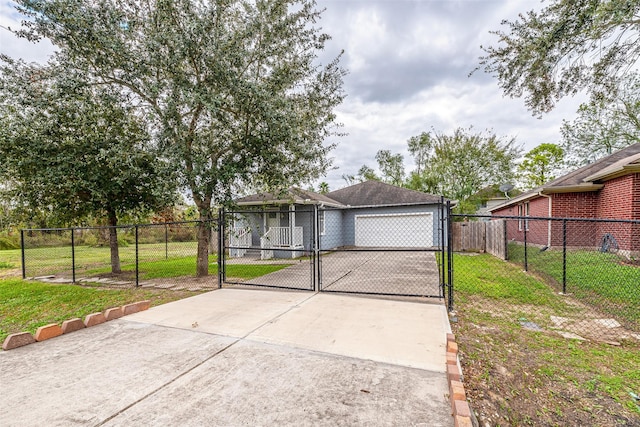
x: 602, y: 280
x: 26, y: 305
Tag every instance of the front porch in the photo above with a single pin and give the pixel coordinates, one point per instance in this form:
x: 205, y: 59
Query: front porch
x: 272, y: 233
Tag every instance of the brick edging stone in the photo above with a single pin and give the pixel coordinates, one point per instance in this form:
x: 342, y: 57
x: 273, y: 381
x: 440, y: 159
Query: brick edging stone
x: 46, y: 332
x: 459, y: 406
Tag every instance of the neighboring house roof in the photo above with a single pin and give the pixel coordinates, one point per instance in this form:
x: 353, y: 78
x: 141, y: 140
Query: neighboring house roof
x: 587, y: 178
x: 376, y: 193
x: 292, y: 195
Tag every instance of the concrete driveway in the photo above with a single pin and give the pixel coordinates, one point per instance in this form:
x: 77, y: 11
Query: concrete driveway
x: 380, y: 272
x: 239, y: 357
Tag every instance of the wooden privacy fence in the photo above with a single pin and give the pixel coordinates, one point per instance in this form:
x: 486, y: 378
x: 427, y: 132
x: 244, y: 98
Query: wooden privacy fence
x: 481, y: 236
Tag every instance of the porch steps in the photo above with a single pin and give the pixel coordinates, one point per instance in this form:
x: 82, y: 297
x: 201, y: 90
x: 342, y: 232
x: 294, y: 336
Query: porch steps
x: 252, y: 253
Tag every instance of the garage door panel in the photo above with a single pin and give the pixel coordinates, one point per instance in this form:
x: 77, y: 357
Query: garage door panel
x: 394, y: 230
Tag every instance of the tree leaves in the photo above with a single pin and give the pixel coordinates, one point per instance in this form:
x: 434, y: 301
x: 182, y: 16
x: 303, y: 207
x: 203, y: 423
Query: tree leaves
x: 603, y: 127
x: 460, y: 164
x: 568, y: 46
x: 74, y: 149
x: 540, y: 165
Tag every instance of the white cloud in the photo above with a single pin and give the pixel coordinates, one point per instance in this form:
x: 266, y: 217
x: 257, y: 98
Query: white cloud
x: 15, y: 47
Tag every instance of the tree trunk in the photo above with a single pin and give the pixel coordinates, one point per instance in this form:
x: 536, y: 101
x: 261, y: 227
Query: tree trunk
x: 113, y: 243
x: 202, y: 266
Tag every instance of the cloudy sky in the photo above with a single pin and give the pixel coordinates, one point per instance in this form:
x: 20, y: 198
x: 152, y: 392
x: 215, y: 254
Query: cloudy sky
x: 409, y: 63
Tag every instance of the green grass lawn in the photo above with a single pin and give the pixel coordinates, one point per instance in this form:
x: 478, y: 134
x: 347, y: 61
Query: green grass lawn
x: 26, y: 305
x: 155, y: 261
x: 54, y: 260
x: 186, y: 266
x: 601, y: 279
x: 523, y: 377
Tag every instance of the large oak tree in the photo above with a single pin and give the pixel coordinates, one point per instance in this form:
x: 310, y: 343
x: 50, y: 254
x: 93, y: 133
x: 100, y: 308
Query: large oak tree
x: 233, y: 87
x: 75, y: 150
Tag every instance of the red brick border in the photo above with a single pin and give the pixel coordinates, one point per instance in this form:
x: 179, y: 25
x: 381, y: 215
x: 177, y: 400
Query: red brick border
x: 53, y: 330
x: 48, y: 332
x: 113, y: 313
x: 459, y: 406
x: 17, y: 340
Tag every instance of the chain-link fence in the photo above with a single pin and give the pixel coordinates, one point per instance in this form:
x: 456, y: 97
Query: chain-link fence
x: 149, y: 255
x: 391, y: 251
x: 271, y: 247
x: 385, y: 251
x: 577, y: 277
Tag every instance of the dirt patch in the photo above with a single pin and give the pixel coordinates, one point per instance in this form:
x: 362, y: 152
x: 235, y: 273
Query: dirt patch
x: 575, y: 318
x: 518, y: 377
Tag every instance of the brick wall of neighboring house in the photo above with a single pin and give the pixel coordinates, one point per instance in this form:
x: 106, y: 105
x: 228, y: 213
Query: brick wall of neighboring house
x: 575, y: 205
x: 620, y: 199
x: 538, y: 232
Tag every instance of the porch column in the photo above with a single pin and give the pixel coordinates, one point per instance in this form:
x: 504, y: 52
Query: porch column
x: 292, y: 220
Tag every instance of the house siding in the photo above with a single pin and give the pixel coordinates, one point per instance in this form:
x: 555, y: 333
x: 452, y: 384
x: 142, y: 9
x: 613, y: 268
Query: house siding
x: 333, y: 230
x: 304, y: 219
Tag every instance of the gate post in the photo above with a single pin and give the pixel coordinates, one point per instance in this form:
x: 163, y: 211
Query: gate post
x: 442, y: 247
x: 137, y: 260
x: 73, y: 256
x: 449, y: 256
x: 315, y: 237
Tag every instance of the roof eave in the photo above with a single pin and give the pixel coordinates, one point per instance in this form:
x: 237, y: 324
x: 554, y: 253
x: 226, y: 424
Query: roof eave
x: 624, y: 170
x: 288, y: 202
x: 579, y: 188
x: 390, y: 205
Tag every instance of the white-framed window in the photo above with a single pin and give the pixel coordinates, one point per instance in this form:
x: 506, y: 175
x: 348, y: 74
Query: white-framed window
x: 321, y: 222
x: 523, y: 211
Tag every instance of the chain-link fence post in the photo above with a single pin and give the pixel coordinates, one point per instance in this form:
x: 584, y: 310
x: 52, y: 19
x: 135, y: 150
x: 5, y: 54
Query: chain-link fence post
x: 137, y: 261
x: 564, y: 256
x: 449, y: 256
x: 221, y: 220
x: 525, y: 224
x: 24, y: 268
x: 73, y: 256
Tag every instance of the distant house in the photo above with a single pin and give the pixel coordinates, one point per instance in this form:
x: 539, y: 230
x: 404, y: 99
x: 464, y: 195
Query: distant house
x: 607, y: 188
x: 369, y: 214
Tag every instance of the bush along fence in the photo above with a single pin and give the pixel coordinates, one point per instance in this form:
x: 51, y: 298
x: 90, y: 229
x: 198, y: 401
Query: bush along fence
x: 579, y: 277
x: 159, y: 255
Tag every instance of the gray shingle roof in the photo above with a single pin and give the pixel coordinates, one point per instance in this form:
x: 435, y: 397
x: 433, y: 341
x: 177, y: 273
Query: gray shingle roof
x: 293, y: 195
x: 577, y: 176
x: 376, y: 193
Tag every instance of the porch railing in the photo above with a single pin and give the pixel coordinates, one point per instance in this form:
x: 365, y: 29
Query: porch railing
x: 280, y: 237
x: 239, y: 237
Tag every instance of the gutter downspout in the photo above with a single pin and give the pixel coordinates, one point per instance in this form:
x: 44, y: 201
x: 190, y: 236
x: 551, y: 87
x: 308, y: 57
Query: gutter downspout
x: 548, y: 225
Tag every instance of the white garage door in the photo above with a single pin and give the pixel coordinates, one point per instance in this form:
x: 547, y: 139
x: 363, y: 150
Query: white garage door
x: 395, y: 230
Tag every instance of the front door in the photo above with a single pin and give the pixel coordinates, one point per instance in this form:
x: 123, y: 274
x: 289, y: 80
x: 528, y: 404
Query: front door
x: 273, y: 219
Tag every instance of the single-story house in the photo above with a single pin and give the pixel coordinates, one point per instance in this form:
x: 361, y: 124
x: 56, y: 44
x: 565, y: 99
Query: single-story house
x: 368, y: 214
x: 608, y: 188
